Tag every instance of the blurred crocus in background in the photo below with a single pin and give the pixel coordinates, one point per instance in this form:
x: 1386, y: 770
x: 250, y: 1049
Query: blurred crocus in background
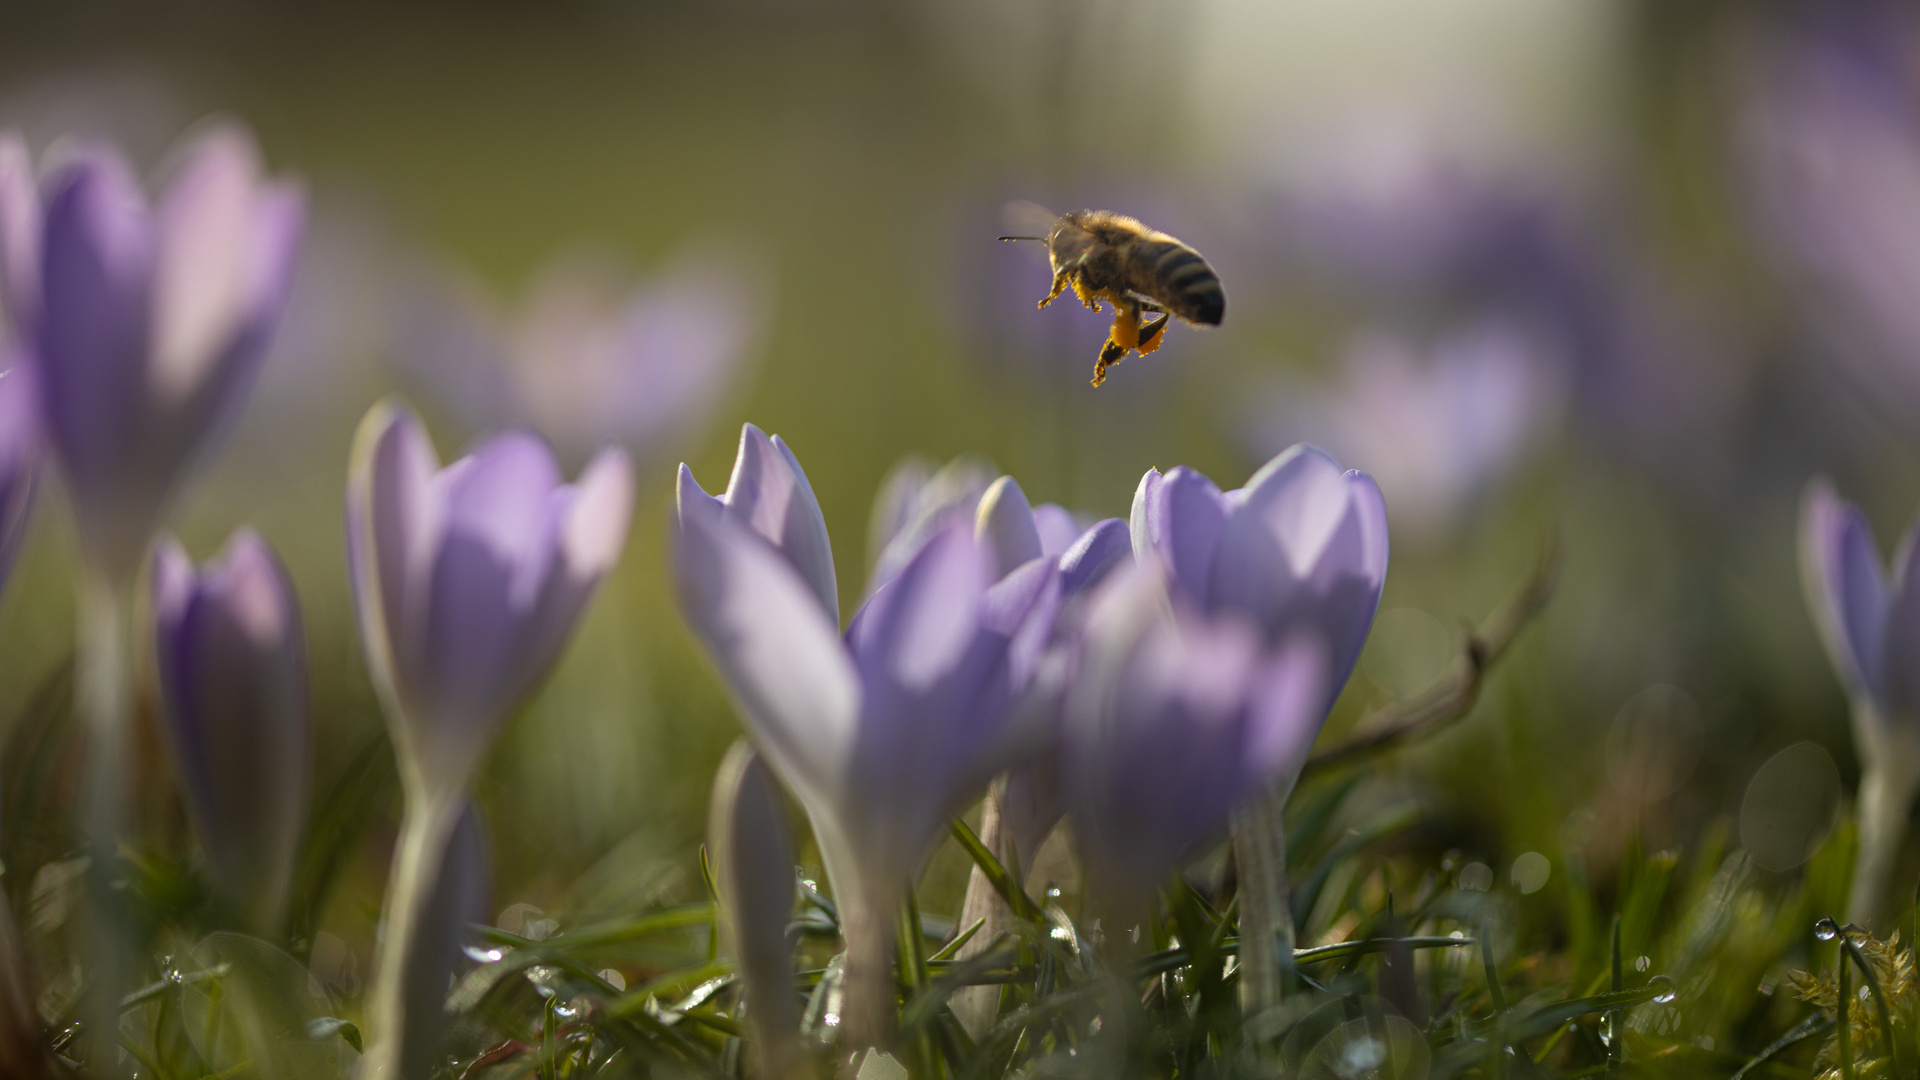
x: 917, y: 499
x: 1830, y: 144
x: 144, y: 326
x: 752, y: 852
x: 1438, y: 430
x: 590, y: 355
x: 882, y: 735
x: 232, y: 663
x: 468, y: 582
x: 1870, y: 622
x: 1302, y: 548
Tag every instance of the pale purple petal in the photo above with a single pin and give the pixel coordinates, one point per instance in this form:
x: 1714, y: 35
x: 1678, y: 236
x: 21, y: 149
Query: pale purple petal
x: 1141, y: 524
x: 1058, y: 530
x: 91, y: 346
x: 1899, y: 660
x: 1097, y: 552
x: 203, y: 270
x: 769, y: 493
x: 1004, y: 525
x: 1846, y: 591
x: 779, y: 652
x: 1307, y: 548
x: 1187, y: 517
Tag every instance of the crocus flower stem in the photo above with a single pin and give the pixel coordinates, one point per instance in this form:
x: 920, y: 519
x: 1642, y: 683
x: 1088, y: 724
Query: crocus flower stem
x: 1259, y: 838
x: 105, y: 699
x: 1888, y: 785
x: 425, y: 828
x: 868, y: 921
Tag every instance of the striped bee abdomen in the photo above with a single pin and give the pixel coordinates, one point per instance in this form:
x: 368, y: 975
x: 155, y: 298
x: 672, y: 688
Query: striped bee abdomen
x: 1183, y: 281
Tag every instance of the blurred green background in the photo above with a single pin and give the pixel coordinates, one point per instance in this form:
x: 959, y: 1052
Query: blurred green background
x: 858, y: 153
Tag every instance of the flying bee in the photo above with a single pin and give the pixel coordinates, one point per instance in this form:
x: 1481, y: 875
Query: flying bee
x: 1112, y: 257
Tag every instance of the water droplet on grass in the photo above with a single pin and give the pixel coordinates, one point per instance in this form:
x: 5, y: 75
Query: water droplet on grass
x: 1826, y: 930
x: 484, y: 956
x: 1663, y: 986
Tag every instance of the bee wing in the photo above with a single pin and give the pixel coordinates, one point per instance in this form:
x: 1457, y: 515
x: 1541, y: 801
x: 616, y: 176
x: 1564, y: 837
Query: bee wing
x: 1023, y: 218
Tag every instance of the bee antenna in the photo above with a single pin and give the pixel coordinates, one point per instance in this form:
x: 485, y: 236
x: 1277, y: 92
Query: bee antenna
x: 1022, y: 238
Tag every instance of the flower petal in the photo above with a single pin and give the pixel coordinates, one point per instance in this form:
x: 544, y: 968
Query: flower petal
x: 1098, y: 551
x: 1058, y: 530
x: 1846, y: 591
x: 778, y: 650
x: 204, y: 265
x: 1004, y: 526
x: 1187, y: 515
x: 769, y: 493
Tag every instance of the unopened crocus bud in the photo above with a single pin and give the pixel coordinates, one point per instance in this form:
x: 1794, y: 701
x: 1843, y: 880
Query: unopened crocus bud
x: 1870, y: 623
x: 146, y: 322
x: 753, y: 866
x: 233, y: 676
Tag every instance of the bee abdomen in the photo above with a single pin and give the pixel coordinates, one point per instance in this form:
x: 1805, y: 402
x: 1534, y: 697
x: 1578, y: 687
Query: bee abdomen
x: 1186, y: 284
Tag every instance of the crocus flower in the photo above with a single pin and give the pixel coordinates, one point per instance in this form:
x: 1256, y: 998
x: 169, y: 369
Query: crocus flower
x: 468, y: 582
x: 753, y: 867
x: 19, y: 462
x: 883, y: 734
x: 1831, y: 140
x: 233, y: 676
x: 470, y: 578
x: 1436, y: 430
x: 1304, y: 544
x: 146, y: 323
x: 1175, y: 720
x: 590, y: 355
x: 1870, y: 622
x: 1301, y: 550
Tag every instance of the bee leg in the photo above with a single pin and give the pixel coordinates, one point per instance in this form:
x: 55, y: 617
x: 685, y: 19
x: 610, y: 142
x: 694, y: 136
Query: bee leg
x: 1110, y: 354
x: 1059, y: 286
x: 1151, y: 336
x: 1090, y: 299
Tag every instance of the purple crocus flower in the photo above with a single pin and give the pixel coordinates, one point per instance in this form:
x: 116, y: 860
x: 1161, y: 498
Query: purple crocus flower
x: 468, y: 581
x: 882, y: 734
x: 1831, y: 140
x: 1303, y: 545
x: 233, y: 676
x: 470, y: 578
x: 1436, y: 430
x: 1870, y: 623
x: 146, y: 323
x: 753, y: 867
x: 19, y: 462
x: 1175, y: 720
x: 1301, y: 550
x: 590, y: 355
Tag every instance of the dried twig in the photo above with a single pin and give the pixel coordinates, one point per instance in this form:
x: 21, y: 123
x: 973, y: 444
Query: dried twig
x: 1454, y: 694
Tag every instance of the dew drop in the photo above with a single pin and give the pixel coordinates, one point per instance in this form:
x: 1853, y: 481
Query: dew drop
x: 484, y: 956
x: 1665, y: 992
x: 1826, y: 930
x: 1641, y: 963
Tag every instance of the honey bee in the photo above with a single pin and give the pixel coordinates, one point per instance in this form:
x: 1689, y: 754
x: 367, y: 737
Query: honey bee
x: 1112, y: 257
